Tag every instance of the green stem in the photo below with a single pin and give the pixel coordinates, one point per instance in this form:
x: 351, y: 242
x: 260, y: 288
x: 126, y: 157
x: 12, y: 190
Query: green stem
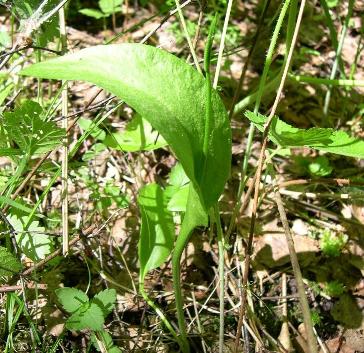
x: 258, y: 97
x: 327, y: 81
x: 180, y: 245
x: 159, y: 312
x: 338, y: 54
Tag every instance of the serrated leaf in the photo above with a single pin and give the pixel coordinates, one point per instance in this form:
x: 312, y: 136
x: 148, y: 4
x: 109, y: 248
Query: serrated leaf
x: 167, y: 92
x: 105, y: 300
x: 27, y: 129
x: 89, y: 316
x: 157, y: 229
x: 71, y: 299
x: 327, y: 140
x: 9, y: 264
x: 33, y: 242
x: 138, y: 136
x: 92, y: 13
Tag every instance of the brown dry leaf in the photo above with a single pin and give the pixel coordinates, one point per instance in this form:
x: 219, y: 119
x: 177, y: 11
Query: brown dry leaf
x: 336, y: 343
x: 271, y: 250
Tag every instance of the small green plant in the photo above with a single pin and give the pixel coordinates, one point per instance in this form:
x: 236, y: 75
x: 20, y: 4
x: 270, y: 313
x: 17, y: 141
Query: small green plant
x: 332, y: 243
x: 86, y: 313
x: 89, y: 314
x: 107, y: 8
x: 334, y: 289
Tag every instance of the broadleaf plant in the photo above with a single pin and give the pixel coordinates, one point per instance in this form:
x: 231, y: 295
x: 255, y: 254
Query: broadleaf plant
x: 86, y: 313
x: 180, y: 104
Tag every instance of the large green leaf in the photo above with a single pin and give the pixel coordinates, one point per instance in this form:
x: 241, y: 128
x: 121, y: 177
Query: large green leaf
x: 322, y: 139
x: 157, y: 229
x: 168, y: 93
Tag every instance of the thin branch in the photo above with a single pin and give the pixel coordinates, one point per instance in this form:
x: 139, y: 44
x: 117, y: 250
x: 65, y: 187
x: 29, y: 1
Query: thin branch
x: 65, y: 125
x: 298, y: 276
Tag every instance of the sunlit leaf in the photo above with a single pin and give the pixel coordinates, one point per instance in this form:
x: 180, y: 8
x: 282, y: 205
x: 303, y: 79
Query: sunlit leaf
x: 327, y: 140
x: 71, y: 299
x: 167, y: 92
x: 157, y: 228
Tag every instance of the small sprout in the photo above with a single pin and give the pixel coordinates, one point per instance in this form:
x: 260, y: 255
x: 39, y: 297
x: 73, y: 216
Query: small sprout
x: 334, y: 289
x: 331, y: 243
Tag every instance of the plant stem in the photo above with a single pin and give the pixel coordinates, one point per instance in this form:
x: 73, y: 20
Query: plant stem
x: 159, y: 312
x: 259, y: 95
x: 222, y: 42
x: 187, y: 35
x: 298, y: 275
x: 338, y: 54
x: 221, y: 247
x: 65, y: 125
x: 326, y: 81
x: 259, y: 173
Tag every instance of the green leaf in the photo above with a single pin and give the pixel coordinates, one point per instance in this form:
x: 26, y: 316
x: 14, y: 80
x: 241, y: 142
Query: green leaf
x: 15, y: 204
x: 110, y: 6
x: 327, y: 140
x: 10, y: 152
x: 29, y: 131
x: 167, y: 92
x: 179, y: 198
x: 106, y: 342
x: 89, y: 316
x: 93, y: 152
x: 95, y: 131
x: 5, y: 92
x: 92, y: 13
x: 177, y: 176
x: 105, y: 300
x: 138, y: 136
x: 9, y: 264
x: 71, y: 299
x: 157, y: 229
x: 33, y: 242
